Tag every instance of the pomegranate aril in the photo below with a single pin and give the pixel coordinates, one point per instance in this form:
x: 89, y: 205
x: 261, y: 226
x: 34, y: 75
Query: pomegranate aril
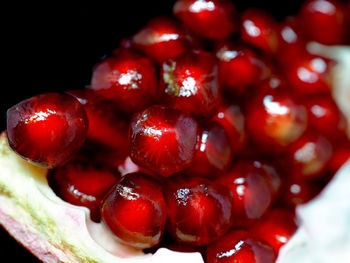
x: 215, y: 19
x: 213, y: 152
x: 135, y: 211
x: 309, y: 75
x: 298, y: 191
x: 84, y: 184
x: 325, y: 117
x: 199, y: 211
x: 341, y: 154
x: 163, y: 140
x: 252, y: 193
x: 275, y: 120
x: 47, y: 129
x: 107, y: 125
x: 189, y: 82
x: 242, y: 247
x: 240, y: 67
x: 127, y: 78
x: 259, y: 29
x: 231, y: 118
x: 162, y: 38
x: 308, y: 157
x: 323, y: 21
x: 276, y: 228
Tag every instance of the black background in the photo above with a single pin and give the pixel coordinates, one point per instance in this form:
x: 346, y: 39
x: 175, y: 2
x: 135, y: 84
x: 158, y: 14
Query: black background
x: 53, y: 48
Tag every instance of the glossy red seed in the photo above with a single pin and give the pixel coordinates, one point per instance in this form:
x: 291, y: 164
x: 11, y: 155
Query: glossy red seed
x: 325, y: 117
x: 135, y: 211
x: 275, y: 120
x: 84, y: 184
x: 240, y: 67
x: 291, y: 44
x: 213, y: 152
x: 162, y: 38
x: 107, y: 125
x: 298, y: 191
x: 163, y: 140
x: 240, y: 247
x: 323, y: 21
x: 252, y: 194
x: 276, y: 83
x: 199, y: 211
x: 127, y: 78
x: 47, y: 129
x: 190, y: 83
x: 259, y: 29
x: 231, y: 118
x: 341, y: 154
x: 276, y: 228
x: 210, y: 19
x: 309, y: 156
x: 309, y: 75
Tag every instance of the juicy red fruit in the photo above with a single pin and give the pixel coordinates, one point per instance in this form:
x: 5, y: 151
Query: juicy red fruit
x: 127, y: 78
x: 47, y: 129
x: 215, y: 19
x: 84, y: 184
x: 135, y: 211
x: 260, y: 30
x: 213, y: 152
x: 162, y: 38
x: 252, y: 193
x: 199, y: 211
x: 189, y: 82
x: 276, y: 228
x: 323, y: 21
x: 163, y: 140
x: 240, y: 247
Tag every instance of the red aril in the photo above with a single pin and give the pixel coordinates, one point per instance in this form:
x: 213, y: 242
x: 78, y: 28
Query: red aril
x: 135, y: 211
x: 163, y: 140
x: 213, y: 152
x: 252, y: 193
x: 276, y: 228
x: 84, y: 184
x: 259, y: 29
x: 47, y: 129
x: 199, y: 211
x: 242, y: 247
x: 189, y: 82
x: 215, y: 19
x: 162, y: 38
x: 127, y: 78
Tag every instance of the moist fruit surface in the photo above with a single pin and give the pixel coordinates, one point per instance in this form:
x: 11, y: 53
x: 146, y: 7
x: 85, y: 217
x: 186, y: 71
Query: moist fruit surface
x: 200, y: 133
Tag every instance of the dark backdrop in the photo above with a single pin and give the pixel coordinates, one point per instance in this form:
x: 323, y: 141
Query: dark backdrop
x: 53, y: 47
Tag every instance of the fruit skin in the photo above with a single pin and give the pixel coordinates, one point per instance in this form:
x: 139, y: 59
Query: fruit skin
x: 251, y: 190
x: 162, y: 38
x: 189, y: 82
x: 47, y: 129
x: 127, y: 78
x: 199, y: 211
x: 135, y: 211
x: 242, y: 247
x: 163, y: 140
x: 275, y: 120
x: 215, y: 19
x: 276, y: 228
x: 323, y: 21
x: 84, y: 184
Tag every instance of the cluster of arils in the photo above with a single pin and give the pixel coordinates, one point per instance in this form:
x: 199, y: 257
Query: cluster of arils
x: 201, y: 132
